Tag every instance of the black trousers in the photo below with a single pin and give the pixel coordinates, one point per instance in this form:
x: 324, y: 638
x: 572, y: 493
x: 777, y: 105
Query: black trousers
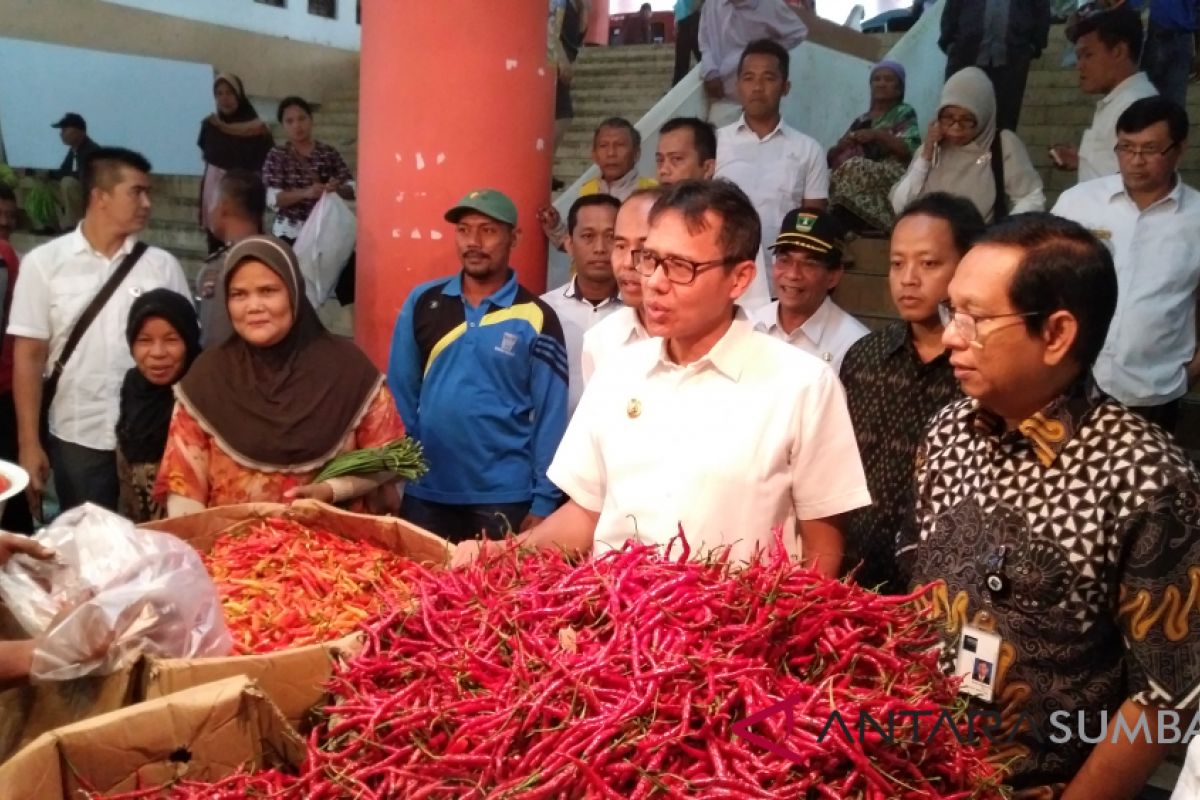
x: 687, y: 45
x: 84, y: 475
x: 1008, y: 82
x: 463, y: 523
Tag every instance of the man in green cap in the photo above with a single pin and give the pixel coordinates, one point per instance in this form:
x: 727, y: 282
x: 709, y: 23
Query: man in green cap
x: 479, y: 370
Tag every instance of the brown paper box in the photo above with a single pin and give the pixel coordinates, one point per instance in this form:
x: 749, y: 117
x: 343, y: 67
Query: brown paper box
x: 203, y: 734
x: 27, y: 710
x: 293, y: 679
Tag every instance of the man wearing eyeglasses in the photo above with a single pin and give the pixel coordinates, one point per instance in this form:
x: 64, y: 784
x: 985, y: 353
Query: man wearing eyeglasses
x: 712, y: 428
x: 1151, y: 221
x: 1059, y: 529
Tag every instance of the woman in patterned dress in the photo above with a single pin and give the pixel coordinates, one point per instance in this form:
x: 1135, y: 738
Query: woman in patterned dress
x: 873, y: 153
x: 297, y: 173
x: 259, y: 415
x: 164, y: 338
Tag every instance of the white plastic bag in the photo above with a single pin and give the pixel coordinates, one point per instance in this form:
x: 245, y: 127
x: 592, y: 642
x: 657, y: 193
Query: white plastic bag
x: 324, y: 245
x: 111, y: 593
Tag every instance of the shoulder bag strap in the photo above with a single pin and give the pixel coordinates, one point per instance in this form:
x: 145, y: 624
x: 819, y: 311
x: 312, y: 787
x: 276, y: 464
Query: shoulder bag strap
x: 1000, y: 209
x: 88, y: 317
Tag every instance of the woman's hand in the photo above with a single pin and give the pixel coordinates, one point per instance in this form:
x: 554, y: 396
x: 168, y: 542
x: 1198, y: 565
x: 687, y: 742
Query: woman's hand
x: 314, y: 491
x: 470, y: 551
x: 315, y: 191
x: 12, y: 543
x: 865, y: 136
x: 932, y: 138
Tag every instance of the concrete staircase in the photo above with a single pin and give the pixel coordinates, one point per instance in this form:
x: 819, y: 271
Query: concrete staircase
x: 623, y: 81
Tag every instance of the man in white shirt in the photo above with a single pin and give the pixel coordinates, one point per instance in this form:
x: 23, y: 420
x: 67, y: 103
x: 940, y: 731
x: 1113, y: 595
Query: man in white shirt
x: 726, y: 27
x: 626, y: 325
x: 714, y: 428
x: 56, y: 283
x: 778, y: 167
x: 1108, y: 46
x: 807, y: 267
x: 1150, y: 220
x: 686, y: 151
x: 590, y: 296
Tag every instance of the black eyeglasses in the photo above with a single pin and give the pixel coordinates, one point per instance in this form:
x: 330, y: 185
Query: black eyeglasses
x: 968, y: 324
x: 1124, y: 150
x: 679, y: 270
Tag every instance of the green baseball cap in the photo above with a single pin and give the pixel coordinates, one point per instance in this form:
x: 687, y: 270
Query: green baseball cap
x: 489, y: 202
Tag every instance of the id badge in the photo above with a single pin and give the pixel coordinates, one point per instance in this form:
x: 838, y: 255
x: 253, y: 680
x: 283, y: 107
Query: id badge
x: 978, y: 657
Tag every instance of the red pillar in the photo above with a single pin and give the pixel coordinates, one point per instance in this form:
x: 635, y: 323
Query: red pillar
x: 597, y: 32
x: 455, y: 95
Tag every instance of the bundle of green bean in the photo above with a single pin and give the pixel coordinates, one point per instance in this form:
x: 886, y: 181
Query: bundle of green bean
x: 402, y: 457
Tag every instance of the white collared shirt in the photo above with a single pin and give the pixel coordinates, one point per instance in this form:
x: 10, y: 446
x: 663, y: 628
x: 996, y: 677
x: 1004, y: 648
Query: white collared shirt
x: 827, y: 334
x: 56, y: 282
x: 1152, y: 336
x: 727, y: 26
x: 752, y: 436
x: 778, y: 173
x: 616, y: 332
x: 577, y: 316
x: 1096, y: 156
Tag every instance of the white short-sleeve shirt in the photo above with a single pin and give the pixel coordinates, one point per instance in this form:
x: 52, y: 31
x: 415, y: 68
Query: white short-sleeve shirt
x: 56, y: 282
x: 827, y: 334
x: 1156, y: 251
x: 577, y: 316
x: 753, y: 436
x: 612, y: 334
x: 1096, y: 156
x: 778, y: 173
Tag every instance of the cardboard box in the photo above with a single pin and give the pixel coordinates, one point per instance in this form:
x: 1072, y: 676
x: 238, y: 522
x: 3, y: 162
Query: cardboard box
x: 29, y: 710
x: 202, y: 734
x: 292, y: 679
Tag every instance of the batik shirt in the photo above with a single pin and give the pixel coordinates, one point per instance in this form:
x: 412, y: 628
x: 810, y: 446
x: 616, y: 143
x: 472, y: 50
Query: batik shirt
x: 1099, y: 513
x: 892, y: 394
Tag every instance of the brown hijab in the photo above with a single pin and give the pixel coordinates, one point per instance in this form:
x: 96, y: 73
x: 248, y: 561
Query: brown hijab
x: 287, y: 407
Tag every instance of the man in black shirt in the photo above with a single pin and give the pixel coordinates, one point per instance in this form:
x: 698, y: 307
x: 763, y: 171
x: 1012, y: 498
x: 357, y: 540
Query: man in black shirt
x: 897, y: 378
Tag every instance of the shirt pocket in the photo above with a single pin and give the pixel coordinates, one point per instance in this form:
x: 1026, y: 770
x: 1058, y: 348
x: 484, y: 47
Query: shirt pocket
x: 68, y: 298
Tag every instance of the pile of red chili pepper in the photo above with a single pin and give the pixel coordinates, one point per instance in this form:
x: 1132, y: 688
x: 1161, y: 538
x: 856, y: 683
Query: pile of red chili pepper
x: 283, y: 584
x: 624, y: 677
x: 526, y: 676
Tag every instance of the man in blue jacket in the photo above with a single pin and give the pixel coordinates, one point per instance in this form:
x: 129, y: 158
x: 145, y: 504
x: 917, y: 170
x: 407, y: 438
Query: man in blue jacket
x: 479, y: 370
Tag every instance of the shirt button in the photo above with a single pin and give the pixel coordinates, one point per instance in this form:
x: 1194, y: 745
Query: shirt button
x: 472, y: 324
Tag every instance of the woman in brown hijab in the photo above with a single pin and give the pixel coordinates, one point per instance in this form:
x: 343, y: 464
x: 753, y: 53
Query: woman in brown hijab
x: 256, y: 417
x: 232, y: 137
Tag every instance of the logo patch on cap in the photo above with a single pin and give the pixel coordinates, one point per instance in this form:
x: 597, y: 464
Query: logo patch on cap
x: 805, y: 222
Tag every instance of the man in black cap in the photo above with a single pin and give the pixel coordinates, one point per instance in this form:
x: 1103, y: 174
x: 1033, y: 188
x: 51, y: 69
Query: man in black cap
x: 72, y: 129
x: 65, y: 183
x: 806, y: 268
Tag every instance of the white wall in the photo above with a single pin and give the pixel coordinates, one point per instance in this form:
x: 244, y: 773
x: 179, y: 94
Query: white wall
x: 151, y: 105
x: 292, y: 22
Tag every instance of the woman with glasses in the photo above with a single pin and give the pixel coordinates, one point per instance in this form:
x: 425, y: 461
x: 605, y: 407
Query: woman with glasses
x: 965, y: 155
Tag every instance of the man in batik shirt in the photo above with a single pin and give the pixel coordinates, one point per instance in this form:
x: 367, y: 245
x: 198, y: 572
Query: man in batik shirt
x: 1057, y: 527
